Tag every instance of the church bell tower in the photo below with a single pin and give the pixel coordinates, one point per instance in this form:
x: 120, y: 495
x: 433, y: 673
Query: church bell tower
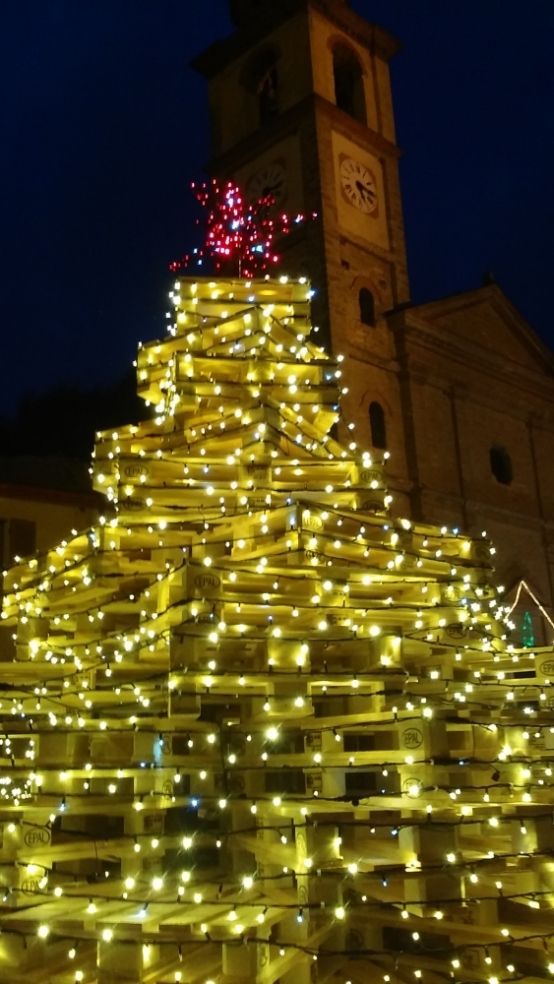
x: 300, y: 105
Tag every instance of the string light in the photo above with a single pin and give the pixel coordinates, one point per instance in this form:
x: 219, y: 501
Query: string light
x: 239, y: 234
x: 312, y: 713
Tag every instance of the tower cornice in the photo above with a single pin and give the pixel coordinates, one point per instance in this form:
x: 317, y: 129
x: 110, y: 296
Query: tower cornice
x: 223, y: 52
x: 288, y: 122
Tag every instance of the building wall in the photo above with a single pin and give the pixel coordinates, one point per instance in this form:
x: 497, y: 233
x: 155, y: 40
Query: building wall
x: 233, y: 104
x: 54, y: 520
x: 454, y: 377
x: 54, y: 515
x: 472, y: 390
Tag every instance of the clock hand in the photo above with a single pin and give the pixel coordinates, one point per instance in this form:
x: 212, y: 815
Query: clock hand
x: 272, y: 189
x: 365, y: 192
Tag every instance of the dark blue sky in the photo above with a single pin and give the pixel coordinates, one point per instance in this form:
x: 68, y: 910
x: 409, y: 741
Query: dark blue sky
x: 103, y: 126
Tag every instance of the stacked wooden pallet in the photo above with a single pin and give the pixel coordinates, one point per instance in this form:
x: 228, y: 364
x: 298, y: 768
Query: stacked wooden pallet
x: 256, y: 728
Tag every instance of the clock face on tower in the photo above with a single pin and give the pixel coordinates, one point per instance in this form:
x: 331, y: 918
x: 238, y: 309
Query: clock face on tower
x: 360, y: 191
x: 359, y: 185
x: 270, y: 180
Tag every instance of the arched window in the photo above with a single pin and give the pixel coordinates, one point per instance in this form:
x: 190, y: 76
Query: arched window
x: 377, y: 425
x: 268, y: 95
x: 501, y: 465
x: 260, y: 77
x: 349, y: 83
x: 367, y: 307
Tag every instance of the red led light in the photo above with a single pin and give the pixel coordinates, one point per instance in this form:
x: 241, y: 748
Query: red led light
x: 238, y: 231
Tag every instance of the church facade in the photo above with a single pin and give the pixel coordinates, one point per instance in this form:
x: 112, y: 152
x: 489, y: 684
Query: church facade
x: 460, y: 391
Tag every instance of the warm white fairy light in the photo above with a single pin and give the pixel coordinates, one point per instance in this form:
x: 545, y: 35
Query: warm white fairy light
x: 250, y: 643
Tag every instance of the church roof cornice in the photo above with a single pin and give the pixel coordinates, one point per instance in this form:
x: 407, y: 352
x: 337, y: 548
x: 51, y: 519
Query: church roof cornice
x: 288, y: 123
x: 494, y: 295
x: 420, y: 336
x: 225, y: 51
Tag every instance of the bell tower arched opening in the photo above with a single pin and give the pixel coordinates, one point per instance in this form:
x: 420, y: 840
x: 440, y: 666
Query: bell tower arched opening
x: 260, y: 78
x: 349, y: 83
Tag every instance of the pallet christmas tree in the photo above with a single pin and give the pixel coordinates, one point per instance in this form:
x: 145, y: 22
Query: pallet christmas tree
x: 257, y: 731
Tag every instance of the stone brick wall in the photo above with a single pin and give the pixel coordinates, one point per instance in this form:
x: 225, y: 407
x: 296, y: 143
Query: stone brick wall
x: 454, y: 377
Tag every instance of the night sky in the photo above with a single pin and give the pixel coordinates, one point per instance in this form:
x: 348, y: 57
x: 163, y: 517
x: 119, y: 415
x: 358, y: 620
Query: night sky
x: 103, y: 127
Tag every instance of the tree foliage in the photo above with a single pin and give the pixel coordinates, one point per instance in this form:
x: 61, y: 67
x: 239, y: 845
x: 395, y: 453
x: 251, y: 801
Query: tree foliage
x: 63, y: 420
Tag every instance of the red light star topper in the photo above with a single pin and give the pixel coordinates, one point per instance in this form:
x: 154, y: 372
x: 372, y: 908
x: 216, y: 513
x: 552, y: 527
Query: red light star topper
x: 238, y: 233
